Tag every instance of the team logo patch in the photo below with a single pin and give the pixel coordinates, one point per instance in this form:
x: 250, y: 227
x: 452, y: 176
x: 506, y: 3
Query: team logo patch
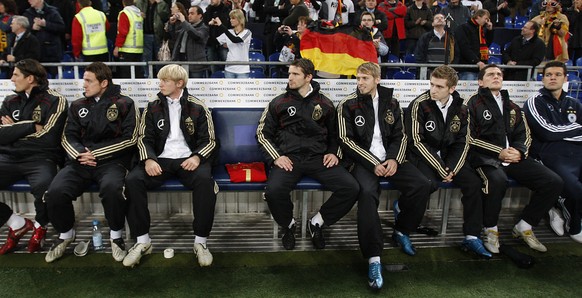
x: 16, y: 115
x: 317, y: 113
x: 360, y: 121
x: 571, y: 115
x: 36, y: 114
x: 291, y: 111
x: 389, y: 117
x: 455, y: 124
x: 550, y: 107
x: 189, y: 126
x: 83, y: 112
x: 430, y: 126
x: 112, y: 112
x: 512, y: 118
x: 160, y: 124
x: 487, y: 115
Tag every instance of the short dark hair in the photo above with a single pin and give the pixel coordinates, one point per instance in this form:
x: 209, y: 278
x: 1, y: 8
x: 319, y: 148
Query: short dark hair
x: 446, y: 72
x: 84, y: 3
x: 555, y: 63
x: 482, y: 71
x: 31, y: 67
x: 536, y: 27
x: 128, y: 2
x: 197, y: 8
x: 101, y: 71
x: 306, y: 66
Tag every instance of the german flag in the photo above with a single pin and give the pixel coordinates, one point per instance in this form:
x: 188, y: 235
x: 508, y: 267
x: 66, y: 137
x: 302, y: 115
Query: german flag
x: 338, y: 50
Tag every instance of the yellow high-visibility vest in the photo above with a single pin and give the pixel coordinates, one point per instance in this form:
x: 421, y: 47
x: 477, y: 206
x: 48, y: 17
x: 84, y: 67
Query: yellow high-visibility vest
x: 134, y: 39
x: 93, y: 25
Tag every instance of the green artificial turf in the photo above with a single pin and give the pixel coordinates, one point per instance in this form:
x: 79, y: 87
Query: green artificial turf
x: 436, y: 272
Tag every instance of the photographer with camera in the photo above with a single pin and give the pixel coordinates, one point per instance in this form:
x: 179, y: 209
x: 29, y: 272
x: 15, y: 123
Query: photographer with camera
x: 553, y: 29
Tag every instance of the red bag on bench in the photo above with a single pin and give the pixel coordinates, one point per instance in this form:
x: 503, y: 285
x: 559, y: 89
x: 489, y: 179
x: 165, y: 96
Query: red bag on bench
x: 246, y: 172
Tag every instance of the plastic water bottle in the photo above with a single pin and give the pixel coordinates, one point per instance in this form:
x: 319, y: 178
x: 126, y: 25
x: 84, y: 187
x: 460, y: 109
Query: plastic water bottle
x: 97, y: 236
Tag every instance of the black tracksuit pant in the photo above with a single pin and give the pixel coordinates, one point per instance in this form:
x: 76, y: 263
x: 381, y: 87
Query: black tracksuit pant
x: 200, y: 181
x: 546, y: 186
x: 415, y: 190
x: 336, y: 179
x: 470, y: 184
x: 568, y: 165
x: 39, y: 174
x: 73, y: 180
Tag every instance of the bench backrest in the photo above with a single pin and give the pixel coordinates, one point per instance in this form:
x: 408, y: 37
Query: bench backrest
x: 236, y: 128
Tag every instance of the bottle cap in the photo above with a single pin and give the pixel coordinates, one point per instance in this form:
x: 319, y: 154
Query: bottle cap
x: 95, y: 222
x: 168, y: 253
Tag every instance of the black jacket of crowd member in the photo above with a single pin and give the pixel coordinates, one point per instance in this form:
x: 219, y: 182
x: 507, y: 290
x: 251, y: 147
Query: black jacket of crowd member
x: 523, y: 53
x: 575, y: 18
x: 298, y: 127
x: 491, y: 131
x: 20, y: 141
x: 195, y: 123
x: 439, y: 143
x: 107, y: 127
x: 356, y: 127
x: 467, y: 36
x: 49, y: 35
x: 221, y: 11
x: 28, y: 47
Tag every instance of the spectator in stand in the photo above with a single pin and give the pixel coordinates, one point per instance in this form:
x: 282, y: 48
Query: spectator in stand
x: 32, y: 125
x: 367, y: 21
x: 498, y: 11
x: 381, y: 21
x: 314, y: 8
x: 437, y: 46
x: 238, y: 42
x: 474, y: 38
x: 275, y: 12
x: 215, y: 51
x: 287, y: 42
x: 575, y: 19
x: 67, y: 10
x: 22, y: 6
x: 202, y: 3
x: 47, y: 25
x: 438, y: 5
x: 7, y: 10
x: 129, y: 41
x: 340, y: 12
x: 155, y: 14
x: 191, y: 38
x: 171, y: 25
x: 455, y: 15
x: 23, y: 44
x: 395, y: 12
x: 298, y: 9
x: 418, y: 21
x: 553, y: 30
x: 536, y: 8
x: 88, y: 35
x: 526, y: 49
x: 237, y: 4
x: 472, y: 5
